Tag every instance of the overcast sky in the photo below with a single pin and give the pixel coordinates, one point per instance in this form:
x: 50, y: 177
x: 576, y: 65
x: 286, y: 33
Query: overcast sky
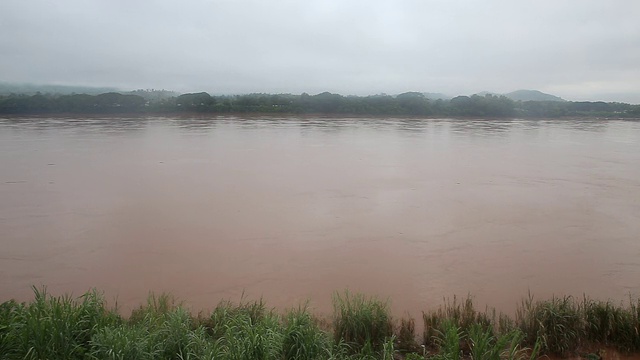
x: 576, y: 49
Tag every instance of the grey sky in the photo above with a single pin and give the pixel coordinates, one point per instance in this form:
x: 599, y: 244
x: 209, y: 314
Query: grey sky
x: 577, y: 49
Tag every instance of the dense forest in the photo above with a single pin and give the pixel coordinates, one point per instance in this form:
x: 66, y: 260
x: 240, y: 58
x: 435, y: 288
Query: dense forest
x: 406, y: 104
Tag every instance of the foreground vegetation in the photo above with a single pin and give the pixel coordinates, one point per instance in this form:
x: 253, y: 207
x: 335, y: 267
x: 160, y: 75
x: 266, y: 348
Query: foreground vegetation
x: 65, y: 327
x: 406, y: 104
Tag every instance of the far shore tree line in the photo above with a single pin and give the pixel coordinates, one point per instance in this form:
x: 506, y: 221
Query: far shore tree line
x: 406, y: 104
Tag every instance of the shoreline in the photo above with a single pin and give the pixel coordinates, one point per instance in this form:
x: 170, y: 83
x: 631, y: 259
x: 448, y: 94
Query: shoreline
x: 361, y: 326
x: 251, y: 115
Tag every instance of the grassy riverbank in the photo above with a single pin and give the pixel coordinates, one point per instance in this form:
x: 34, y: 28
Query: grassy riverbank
x: 362, y: 327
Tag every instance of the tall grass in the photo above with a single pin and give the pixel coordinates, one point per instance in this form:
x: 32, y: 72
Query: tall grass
x: 406, y: 336
x: 507, y: 346
x: 303, y: 339
x: 613, y: 325
x: 124, y: 342
x: 453, y: 313
x: 363, y: 323
x: 53, y: 327
x: 557, y: 323
x: 564, y: 326
x: 67, y: 327
x: 448, y: 338
x: 11, y: 318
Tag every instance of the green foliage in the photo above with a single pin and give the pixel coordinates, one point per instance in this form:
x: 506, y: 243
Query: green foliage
x: 247, y: 340
x: 483, y: 343
x: 65, y: 327
x: 123, y: 342
x: 245, y: 331
x: 53, y: 327
x: 77, y: 103
x: 303, y: 339
x: 612, y: 325
x: 556, y: 323
x: 201, y: 346
x: 388, y: 349
x: 11, y: 318
x: 362, y: 323
x: 482, y: 106
x: 414, y: 356
x: 486, y: 346
x: 156, y: 309
x: 562, y: 325
x: 406, y: 104
x: 448, y: 339
x: 406, y: 337
x: 173, y: 334
x: 194, y: 102
x: 225, y: 312
x: 461, y: 315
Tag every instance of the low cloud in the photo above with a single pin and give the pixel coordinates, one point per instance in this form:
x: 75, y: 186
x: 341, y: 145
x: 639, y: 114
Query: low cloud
x: 576, y: 49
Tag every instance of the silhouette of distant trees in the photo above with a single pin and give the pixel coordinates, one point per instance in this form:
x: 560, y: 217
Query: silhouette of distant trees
x: 483, y: 106
x: 406, y: 104
x: 77, y: 103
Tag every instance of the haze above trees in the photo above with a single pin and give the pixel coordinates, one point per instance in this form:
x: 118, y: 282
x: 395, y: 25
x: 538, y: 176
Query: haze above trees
x: 521, y: 103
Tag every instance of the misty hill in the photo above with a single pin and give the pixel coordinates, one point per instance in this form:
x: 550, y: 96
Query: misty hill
x: 485, y: 93
x: 31, y: 89
x: 436, y: 96
x: 524, y: 95
x: 154, y: 95
x: 532, y: 95
x: 413, y: 104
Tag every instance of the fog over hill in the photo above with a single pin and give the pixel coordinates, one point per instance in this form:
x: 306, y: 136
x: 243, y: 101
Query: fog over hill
x: 582, y: 50
x: 410, y: 103
x: 31, y: 89
x: 532, y: 95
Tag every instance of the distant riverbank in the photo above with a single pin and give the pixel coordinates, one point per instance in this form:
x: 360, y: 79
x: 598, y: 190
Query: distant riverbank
x: 406, y: 104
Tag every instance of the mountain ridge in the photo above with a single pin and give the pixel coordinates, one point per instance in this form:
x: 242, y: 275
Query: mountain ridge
x: 7, y: 88
x: 532, y: 95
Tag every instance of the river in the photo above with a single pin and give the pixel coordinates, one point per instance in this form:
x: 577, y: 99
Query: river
x: 295, y: 208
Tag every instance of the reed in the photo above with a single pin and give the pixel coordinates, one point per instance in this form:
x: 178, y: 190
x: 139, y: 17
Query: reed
x: 462, y: 315
x: 557, y: 324
x: 53, y: 327
x: 406, y: 336
x: 611, y: 325
x: 303, y: 339
x: 66, y: 327
x: 363, y: 323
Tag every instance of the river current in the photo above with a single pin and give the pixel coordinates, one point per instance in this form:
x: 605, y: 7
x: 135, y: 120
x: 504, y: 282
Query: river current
x: 295, y: 208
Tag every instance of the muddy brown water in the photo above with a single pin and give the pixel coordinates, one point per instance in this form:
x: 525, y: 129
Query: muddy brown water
x: 295, y: 208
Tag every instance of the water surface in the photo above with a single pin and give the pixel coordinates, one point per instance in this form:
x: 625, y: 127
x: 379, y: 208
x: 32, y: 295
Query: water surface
x: 295, y: 208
